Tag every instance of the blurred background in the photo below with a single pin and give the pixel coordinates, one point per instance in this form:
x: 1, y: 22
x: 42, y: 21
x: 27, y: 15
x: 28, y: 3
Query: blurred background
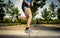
x: 43, y: 11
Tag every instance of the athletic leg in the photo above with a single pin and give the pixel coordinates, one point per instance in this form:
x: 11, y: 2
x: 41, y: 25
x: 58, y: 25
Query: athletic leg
x: 28, y: 15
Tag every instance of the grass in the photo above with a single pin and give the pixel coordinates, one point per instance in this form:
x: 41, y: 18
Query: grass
x: 9, y: 24
x: 13, y: 24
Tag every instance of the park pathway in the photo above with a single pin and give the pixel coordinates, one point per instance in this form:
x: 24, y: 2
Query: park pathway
x: 37, y: 32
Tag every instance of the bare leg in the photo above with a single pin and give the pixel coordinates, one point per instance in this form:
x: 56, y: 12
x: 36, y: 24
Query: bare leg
x: 24, y: 18
x: 28, y: 15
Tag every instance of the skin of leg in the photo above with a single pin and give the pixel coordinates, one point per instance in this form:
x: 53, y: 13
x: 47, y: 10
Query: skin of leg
x: 28, y: 15
x: 24, y: 18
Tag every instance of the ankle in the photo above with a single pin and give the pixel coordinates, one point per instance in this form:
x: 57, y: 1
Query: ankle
x: 28, y: 26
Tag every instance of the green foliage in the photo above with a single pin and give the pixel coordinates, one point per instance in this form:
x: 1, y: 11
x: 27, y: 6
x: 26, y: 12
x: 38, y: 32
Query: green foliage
x: 6, y: 20
x: 52, y: 6
x: 49, y: 21
x: 58, y: 13
x: 59, y: 1
x: 11, y: 9
x: 46, y: 14
x: 1, y: 10
x: 14, y: 11
x: 37, y: 4
x: 7, y: 8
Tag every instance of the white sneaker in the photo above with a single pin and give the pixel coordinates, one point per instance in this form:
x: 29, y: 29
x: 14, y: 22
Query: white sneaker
x: 28, y: 30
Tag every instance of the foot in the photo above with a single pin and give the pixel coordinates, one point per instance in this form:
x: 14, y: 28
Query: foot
x: 14, y: 18
x: 28, y: 30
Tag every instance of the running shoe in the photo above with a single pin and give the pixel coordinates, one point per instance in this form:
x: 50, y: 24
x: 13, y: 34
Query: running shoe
x: 28, y: 30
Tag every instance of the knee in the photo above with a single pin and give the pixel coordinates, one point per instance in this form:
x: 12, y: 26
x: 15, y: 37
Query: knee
x: 30, y: 16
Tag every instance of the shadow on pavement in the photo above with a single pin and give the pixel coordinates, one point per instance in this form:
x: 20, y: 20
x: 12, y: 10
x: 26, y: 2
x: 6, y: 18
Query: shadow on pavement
x: 38, y: 27
x: 11, y: 36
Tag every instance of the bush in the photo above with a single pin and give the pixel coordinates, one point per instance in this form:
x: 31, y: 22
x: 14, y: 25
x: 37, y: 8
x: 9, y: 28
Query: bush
x: 41, y: 21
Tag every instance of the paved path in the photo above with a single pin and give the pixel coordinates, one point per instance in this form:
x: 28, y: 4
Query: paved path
x: 38, y: 32
x: 34, y: 34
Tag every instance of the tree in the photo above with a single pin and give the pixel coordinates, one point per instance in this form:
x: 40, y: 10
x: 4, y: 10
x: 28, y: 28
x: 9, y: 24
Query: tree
x: 7, y: 8
x: 50, y: 13
x: 59, y: 1
x: 46, y: 14
x: 2, y: 10
x: 11, y: 9
x: 58, y: 10
x: 52, y: 7
x: 58, y: 13
x: 37, y: 4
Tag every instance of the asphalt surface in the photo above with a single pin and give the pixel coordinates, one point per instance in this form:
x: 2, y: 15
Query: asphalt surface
x: 10, y: 36
x: 37, y: 32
